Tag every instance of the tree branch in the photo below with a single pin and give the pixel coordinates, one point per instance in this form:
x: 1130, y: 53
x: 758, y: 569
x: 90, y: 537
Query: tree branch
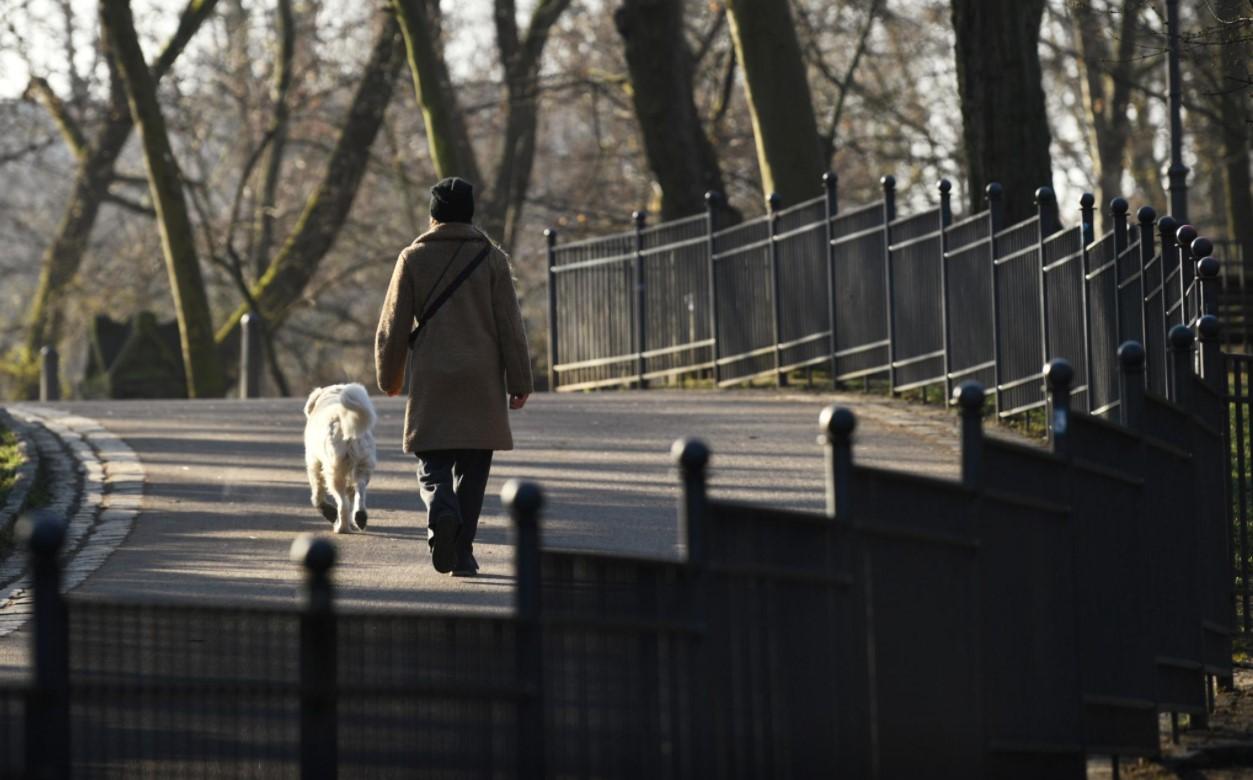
x: 129, y: 205
x: 39, y: 91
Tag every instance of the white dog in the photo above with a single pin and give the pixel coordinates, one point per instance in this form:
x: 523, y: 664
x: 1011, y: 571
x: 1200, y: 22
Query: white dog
x: 339, y: 452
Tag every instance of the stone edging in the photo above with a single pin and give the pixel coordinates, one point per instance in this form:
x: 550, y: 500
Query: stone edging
x: 16, y: 500
x: 97, y: 483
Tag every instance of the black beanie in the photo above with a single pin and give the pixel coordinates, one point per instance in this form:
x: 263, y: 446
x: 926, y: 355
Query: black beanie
x: 452, y: 200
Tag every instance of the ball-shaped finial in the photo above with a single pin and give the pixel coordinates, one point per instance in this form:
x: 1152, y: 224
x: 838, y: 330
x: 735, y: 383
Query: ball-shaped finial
x: 690, y: 454
x: 1131, y: 356
x: 1119, y: 205
x: 888, y: 182
x: 1059, y: 374
x: 1087, y: 200
x: 1146, y: 215
x: 42, y: 530
x: 1208, y: 326
x: 1207, y: 267
x: 945, y: 186
x: 1185, y: 235
x: 830, y: 177
x: 774, y: 201
x: 994, y: 190
x: 1202, y: 247
x: 521, y: 496
x: 639, y: 217
x: 713, y: 198
x: 550, y: 235
x: 1181, y: 338
x: 315, y: 553
x: 1167, y: 225
x: 969, y: 395
x: 1044, y: 195
x: 837, y: 422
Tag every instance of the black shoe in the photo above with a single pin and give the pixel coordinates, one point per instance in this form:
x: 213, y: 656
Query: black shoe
x: 466, y: 566
x: 443, y: 541
x: 361, y: 518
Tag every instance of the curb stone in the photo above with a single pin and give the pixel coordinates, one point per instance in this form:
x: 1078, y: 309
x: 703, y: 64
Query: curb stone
x: 97, y: 484
x: 16, y: 500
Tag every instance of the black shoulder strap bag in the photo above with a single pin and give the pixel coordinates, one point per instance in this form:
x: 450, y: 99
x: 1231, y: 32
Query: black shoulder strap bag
x: 429, y: 309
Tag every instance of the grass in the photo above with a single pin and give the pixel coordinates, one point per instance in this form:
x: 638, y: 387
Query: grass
x: 11, y: 459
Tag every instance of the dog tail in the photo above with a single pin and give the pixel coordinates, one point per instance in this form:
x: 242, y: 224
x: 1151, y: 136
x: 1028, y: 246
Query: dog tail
x: 358, y: 415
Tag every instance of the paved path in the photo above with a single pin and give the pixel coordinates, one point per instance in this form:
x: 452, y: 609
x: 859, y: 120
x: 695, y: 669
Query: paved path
x: 225, y: 491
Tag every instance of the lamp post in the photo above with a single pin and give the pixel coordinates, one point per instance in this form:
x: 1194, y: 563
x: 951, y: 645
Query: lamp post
x: 1178, y: 172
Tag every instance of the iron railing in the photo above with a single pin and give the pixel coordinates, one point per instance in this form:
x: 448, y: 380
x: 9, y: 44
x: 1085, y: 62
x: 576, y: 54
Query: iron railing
x: 1045, y: 608
x: 919, y: 301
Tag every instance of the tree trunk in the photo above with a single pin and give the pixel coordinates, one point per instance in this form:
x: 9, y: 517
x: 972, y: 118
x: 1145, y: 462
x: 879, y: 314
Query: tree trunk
x: 61, y: 261
x: 1106, y: 86
x: 264, y: 223
x: 678, y: 150
x: 789, y: 151
x: 1235, y: 116
x: 327, y: 209
x: 191, y: 304
x: 1005, y: 129
x: 451, y: 152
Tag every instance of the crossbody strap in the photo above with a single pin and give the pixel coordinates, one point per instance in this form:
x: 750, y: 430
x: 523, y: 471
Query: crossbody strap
x: 442, y: 298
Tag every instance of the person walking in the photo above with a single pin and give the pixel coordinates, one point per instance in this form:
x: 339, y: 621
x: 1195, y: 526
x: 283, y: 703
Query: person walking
x: 469, y: 362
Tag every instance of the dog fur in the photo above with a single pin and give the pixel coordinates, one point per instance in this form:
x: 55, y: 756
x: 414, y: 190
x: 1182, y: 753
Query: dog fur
x: 339, y: 453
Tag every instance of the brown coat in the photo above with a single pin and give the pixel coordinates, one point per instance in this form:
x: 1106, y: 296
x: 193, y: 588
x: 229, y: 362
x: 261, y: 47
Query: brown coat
x: 469, y: 357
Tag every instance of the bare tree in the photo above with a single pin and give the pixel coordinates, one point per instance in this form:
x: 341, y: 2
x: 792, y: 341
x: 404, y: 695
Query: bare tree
x: 1004, y: 125
x: 191, y: 304
x: 789, y: 153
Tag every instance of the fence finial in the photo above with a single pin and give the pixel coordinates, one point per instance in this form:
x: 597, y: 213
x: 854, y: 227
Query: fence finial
x: 1207, y: 268
x: 830, y: 188
x: 315, y: 553
x: 970, y: 397
x: 713, y: 198
x: 1184, y: 236
x: 523, y: 501
x: 1059, y: 375
x: 837, y: 424
x: 1087, y: 216
x: 550, y: 236
x: 1119, y: 205
x: 774, y: 201
x: 1146, y: 215
x: 945, y: 186
x: 691, y: 455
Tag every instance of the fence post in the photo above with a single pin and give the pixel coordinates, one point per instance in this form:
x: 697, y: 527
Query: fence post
x: 1118, y: 208
x: 523, y: 501
x: 550, y: 240
x: 1046, y: 212
x: 829, y: 184
x: 1131, y: 361
x: 1060, y: 376
x: 713, y: 202
x: 996, y: 215
x: 837, y: 425
x: 1146, y: 216
x: 48, y: 705
x: 1206, y: 276
x: 692, y: 456
x: 1184, y: 237
x: 319, y: 668
x: 1086, y: 202
x: 1212, y: 363
x: 49, y: 374
x: 889, y: 214
x: 776, y: 311
x: 250, y: 356
x: 946, y: 219
x: 969, y: 397
x: 1181, y: 339
x: 641, y: 299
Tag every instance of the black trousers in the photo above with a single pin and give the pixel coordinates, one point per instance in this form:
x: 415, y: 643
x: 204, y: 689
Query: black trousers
x: 454, y: 481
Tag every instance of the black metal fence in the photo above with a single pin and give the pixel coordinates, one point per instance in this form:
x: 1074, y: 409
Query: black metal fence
x: 920, y: 300
x: 1045, y: 608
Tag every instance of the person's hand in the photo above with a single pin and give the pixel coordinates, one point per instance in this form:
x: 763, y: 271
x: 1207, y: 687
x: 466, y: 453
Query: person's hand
x: 518, y: 400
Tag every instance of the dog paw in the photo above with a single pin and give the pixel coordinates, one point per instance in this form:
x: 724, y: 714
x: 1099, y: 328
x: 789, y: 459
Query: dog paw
x: 329, y: 512
x: 360, y: 519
